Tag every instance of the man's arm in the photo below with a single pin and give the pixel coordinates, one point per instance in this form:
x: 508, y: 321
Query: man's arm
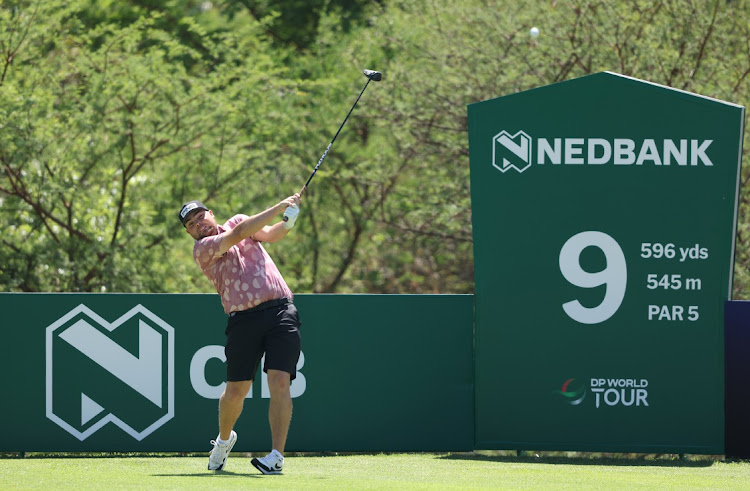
x: 271, y: 233
x: 255, y: 224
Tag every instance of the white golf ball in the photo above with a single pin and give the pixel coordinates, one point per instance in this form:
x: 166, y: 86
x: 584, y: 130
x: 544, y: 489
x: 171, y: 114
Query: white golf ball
x: 534, y: 32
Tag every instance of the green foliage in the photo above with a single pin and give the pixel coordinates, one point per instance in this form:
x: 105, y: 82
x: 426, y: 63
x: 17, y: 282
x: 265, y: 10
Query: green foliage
x: 295, y: 22
x: 440, y: 56
x: 114, y: 113
x: 105, y: 132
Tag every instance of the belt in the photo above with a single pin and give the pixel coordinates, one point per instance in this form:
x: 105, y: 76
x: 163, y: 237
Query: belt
x: 263, y: 306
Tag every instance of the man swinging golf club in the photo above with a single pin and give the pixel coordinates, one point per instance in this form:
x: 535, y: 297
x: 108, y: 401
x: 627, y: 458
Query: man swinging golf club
x: 262, y: 318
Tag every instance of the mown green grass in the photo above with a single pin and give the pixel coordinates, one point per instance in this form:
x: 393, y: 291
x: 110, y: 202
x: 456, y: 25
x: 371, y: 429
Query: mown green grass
x: 372, y: 472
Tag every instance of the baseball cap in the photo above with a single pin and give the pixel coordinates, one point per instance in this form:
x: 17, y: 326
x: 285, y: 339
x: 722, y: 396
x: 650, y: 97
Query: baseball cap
x: 190, y: 206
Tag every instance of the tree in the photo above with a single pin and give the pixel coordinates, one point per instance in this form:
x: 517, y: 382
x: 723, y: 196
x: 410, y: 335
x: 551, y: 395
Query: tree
x: 295, y: 22
x: 111, y: 118
x: 105, y: 132
x: 438, y: 57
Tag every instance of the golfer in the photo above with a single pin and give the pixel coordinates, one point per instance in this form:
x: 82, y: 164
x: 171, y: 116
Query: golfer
x: 262, y: 318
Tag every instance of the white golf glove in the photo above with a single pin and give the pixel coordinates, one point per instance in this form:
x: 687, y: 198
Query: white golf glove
x: 290, y: 216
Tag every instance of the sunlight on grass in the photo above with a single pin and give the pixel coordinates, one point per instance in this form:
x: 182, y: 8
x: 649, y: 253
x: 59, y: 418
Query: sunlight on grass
x: 400, y: 471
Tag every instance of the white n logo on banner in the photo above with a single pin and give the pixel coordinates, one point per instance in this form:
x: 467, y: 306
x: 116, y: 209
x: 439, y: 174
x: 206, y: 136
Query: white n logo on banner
x: 148, y: 374
x: 511, y: 151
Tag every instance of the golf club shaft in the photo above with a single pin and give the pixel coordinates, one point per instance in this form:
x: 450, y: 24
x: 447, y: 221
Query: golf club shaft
x: 334, y: 137
x: 371, y: 75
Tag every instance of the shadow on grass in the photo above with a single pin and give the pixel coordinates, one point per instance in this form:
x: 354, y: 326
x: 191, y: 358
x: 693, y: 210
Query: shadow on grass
x: 213, y: 475
x: 593, y: 460
x: 98, y: 455
x: 527, y: 457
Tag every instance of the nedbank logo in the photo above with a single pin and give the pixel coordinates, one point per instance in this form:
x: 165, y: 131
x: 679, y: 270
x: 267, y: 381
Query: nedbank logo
x: 101, y: 372
x: 519, y: 151
x: 511, y: 151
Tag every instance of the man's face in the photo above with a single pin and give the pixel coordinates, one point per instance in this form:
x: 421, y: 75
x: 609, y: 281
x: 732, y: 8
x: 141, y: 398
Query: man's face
x: 201, y: 223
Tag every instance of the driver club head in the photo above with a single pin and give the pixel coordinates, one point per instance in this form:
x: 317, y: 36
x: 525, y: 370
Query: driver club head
x: 373, y: 75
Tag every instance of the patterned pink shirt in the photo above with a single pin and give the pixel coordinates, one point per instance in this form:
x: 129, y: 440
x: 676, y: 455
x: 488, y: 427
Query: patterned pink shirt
x: 245, y: 275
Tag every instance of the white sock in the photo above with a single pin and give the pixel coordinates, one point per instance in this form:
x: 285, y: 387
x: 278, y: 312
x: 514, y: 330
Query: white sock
x: 222, y: 442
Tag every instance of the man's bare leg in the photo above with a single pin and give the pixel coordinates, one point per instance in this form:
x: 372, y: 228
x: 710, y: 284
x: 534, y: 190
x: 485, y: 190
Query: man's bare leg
x: 230, y: 406
x: 280, y: 407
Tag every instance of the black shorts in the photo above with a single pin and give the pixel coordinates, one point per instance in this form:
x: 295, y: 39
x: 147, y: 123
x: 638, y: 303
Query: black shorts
x: 272, y: 331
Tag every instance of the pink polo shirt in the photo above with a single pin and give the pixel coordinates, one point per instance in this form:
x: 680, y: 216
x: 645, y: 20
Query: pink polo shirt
x: 245, y: 275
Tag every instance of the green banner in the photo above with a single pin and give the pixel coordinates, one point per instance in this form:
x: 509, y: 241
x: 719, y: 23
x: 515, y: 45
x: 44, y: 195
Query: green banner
x: 604, y: 215
x: 121, y: 372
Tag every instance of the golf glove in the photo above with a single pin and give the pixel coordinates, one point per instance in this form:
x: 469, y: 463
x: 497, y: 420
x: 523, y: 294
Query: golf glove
x: 290, y: 216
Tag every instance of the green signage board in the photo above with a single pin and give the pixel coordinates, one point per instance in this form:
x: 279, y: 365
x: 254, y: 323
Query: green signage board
x: 604, y: 215
x: 121, y: 372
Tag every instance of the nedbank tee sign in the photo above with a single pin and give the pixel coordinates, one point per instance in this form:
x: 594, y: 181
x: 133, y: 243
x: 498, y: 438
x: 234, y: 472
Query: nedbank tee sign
x: 604, y: 215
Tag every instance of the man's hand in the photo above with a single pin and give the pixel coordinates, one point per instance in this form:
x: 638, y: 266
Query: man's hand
x: 292, y: 210
x: 290, y: 216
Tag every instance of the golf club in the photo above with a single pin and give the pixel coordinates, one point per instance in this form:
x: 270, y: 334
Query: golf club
x: 371, y: 75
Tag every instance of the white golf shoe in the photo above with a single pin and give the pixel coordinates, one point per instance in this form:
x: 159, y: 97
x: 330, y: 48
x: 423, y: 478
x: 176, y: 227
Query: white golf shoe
x: 219, y: 454
x: 270, y: 464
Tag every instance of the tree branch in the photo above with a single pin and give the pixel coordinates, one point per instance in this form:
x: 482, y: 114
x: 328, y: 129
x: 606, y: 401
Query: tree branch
x: 704, y: 42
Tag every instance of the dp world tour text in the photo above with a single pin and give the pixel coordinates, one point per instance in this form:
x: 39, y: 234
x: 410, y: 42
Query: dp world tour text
x: 626, y: 392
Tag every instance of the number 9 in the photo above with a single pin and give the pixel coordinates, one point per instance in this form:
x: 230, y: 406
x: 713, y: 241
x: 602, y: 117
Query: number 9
x: 614, y: 275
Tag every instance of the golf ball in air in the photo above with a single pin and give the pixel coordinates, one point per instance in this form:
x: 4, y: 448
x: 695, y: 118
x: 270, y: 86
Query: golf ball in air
x: 534, y: 32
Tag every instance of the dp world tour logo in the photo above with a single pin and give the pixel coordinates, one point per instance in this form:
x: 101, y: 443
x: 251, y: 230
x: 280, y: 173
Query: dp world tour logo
x: 573, y: 394
x: 511, y: 151
x: 101, y: 372
x: 606, y: 392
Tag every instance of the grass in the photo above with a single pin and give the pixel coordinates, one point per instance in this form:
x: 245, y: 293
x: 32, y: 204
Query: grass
x: 372, y: 472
